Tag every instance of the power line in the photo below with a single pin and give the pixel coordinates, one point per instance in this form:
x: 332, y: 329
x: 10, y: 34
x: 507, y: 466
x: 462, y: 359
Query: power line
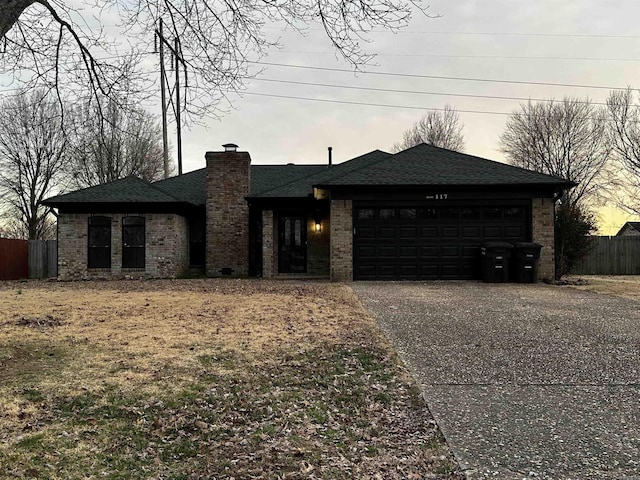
x: 385, y: 105
x: 438, y: 77
x: 347, y: 102
x: 522, y: 34
x: 416, y: 92
x: 444, y: 55
x: 492, y: 34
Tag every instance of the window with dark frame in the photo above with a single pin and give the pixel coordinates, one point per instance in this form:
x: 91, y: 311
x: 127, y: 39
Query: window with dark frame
x: 133, y: 242
x: 427, y: 213
x: 407, y: 213
x: 514, y: 212
x: 492, y: 212
x: 387, y: 213
x: 99, y: 242
x: 449, y: 213
x: 366, y: 214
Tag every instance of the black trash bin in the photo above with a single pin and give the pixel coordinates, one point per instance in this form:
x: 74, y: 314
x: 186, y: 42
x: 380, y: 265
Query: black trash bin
x: 524, y: 262
x: 495, y: 261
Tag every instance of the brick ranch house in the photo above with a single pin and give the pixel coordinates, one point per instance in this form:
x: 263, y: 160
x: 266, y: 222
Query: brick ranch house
x: 422, y: 213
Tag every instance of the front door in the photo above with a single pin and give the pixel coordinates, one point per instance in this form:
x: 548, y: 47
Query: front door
x: 292, y: 244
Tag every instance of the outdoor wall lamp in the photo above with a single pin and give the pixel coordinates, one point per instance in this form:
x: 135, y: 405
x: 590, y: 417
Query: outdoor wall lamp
x: 317, y: 218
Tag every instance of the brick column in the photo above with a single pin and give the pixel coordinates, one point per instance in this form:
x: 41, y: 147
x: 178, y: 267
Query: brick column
x: 543, y: 216
x: 341, y: 224
x: 318, y: 246
x: 268, y: 245
x: 228, y: 184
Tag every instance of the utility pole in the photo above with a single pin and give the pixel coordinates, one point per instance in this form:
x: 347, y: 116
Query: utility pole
x: 163, y: 96
x: 179, y: 130
x: 175, y: 50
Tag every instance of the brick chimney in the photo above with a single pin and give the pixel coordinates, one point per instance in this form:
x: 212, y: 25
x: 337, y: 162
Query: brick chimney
x: 228, y: 183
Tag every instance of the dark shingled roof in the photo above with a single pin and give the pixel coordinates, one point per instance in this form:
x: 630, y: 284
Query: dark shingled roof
x: 304, y: 186
x: 631, y: 225
x: 265, y: 178
x: 428, y: 165
x: 125, y: 190
x: 422, y: 165
x: 189, y: 187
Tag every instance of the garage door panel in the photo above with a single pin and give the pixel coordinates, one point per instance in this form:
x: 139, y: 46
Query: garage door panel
x: 450, y: 251
x: 387, y: 252
x: 408, y: 252
x: 408, y: 232
x: 450, y: 271
x: 492, y: 232
x: 429, y: 272
x: 514, y: 232
x: 386, y: 232
x: 429, y: 232
x: 366, y: 271
x: 429, y: 251
x: 409, y: 271
x: 366, y: 232
x: 387, y: 271
x: 366, y: 252
x: 468, y: 270
x: 471, y: 232
x: 450, y: 232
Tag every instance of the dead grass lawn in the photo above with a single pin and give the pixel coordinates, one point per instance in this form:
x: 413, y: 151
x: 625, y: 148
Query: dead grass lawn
x: 626, y: 286
x: 204, y: 379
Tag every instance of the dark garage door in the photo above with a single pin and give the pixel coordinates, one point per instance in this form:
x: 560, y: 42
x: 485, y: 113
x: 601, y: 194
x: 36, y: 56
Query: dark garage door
x: 417, y: 243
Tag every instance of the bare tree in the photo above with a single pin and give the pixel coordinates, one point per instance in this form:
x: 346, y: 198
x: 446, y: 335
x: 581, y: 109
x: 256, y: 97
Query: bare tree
x: 14, y: 227
x: 438, y: 128
x: 116, y: 144
x: 625, y: 138
x: 55, y: 43
x: 33, y: 152
x: 567, y: 139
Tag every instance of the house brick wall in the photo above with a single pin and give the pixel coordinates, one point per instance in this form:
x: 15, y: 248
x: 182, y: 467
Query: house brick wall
x: 543, y: 216
x: 166, y: 247
x: 318, y: 247
x: 269, y: 244
x: 228, y: 183
x: 341, y: 246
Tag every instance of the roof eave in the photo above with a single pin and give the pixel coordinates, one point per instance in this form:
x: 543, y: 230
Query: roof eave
x: 562, y: 185
x: 116, y: 207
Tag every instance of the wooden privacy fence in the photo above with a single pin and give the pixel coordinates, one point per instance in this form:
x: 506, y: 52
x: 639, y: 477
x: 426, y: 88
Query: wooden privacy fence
x: 43, y: 258
x: 14, y: 259
x: 611, y: 256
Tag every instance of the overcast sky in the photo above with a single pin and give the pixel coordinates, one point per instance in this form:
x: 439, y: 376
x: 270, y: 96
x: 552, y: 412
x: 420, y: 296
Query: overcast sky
x: 579, y: 42
x: 573, y: 42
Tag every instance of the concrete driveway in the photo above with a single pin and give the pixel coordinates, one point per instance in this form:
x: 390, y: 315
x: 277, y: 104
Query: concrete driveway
x: 525, y: 381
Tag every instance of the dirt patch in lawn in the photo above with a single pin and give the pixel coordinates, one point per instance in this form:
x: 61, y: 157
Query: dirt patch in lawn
x: 626, y: 286
x: 205, y: 379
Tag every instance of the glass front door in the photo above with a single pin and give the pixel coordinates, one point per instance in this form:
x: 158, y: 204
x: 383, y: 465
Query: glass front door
x: 292, y: 244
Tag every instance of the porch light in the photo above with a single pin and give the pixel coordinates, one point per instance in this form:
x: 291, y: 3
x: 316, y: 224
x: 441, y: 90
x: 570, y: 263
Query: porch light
x: 317, y: 219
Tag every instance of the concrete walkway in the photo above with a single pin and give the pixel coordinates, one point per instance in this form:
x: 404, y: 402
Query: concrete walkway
x: 525, y: 381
